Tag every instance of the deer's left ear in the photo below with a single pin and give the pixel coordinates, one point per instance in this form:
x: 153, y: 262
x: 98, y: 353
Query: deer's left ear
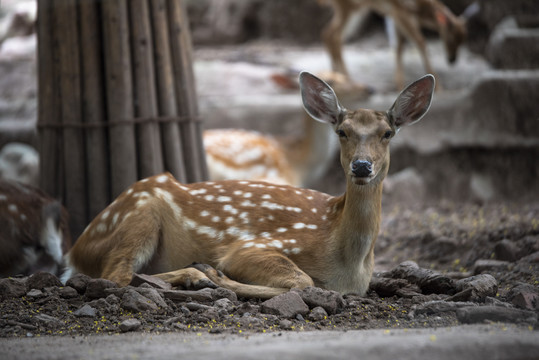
x: 412, y: 103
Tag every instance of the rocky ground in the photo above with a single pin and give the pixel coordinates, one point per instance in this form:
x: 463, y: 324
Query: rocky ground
x: 473, y: 264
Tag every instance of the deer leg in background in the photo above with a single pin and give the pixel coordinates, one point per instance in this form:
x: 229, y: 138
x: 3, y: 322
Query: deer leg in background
x: 333, y: 34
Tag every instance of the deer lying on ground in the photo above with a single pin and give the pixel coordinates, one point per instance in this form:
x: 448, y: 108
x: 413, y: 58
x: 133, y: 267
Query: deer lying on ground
x: 255, y: 238
x: 238, y: 154
x: 34, y: 232
x: 409, y: 17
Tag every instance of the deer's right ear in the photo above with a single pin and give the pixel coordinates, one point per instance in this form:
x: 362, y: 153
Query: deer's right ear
x: 319, y: 99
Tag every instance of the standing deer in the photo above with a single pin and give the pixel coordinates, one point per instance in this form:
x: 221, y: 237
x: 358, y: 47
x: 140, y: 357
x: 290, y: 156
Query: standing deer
x: 34, y: 232
x: 255, y: 238
x: 409, y: 17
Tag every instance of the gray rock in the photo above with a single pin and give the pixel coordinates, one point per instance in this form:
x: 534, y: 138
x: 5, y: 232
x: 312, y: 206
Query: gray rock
x: 506, y: 250
x: 317, y: 314
x: 472, y: 315
x: 35, y: 293
x: 85, y: 311
x: 12, y: 288
x: 440, y: 306
x: 67, y: 292
x: 47, y: 320
x: 204, y: 295
x: 153, y: 295
x: 221, y: 293
x: 79, y: 282
x: 493, y: 266
x: 135, y: 302
x: 524, y: 296
x: 96, y: 288
x: 286, y: 305
x: 41, y: 280
x: 130, y: 325
x: 224, y: 304
x: 331, y: 301
x: 475, y: 288
x: 155, y: 282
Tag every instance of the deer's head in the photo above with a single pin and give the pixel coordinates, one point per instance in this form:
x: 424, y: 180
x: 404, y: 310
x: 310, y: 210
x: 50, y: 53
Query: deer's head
x: 365, y: 134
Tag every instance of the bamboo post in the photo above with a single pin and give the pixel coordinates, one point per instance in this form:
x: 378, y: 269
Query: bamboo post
x: 116, y: 99
x: 170, y: 133
x: 180, y: 39
x: 149, y: 145
x: 117, y: 55
x: 97, y: 161
x: 48, y: 112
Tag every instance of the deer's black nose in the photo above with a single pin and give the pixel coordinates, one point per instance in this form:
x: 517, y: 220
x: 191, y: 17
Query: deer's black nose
x: 361, y: 168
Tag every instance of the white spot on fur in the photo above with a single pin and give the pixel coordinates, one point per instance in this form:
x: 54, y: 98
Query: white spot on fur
x: 130, y: 191
x: 238, y: 192
x: 229, y: 220
x: 295, y: 209
x: 198, y: 192
x: 209, y: 197
x: 276, y: 243
x: 310, y: 197
x: 248, y: 245
x: 105, y: 215
x: 141, y: 202
x: 266, y: 196
x: 243, y: 182
x: 271, y: 206
x: 248, y: 203
x: 12, y: 208
x: 224, y: 199
x: 115, y: 219
x: 3, y: 197
x: 324, y: 217
x: 260, y: 186
x: 229, y: 208
x: 204, y: 213
x: 295, y: 251
x: 169, y: 199
x: 245, y: 217
x: 142, y: 194
x: 162, y: 179
x: 247, y: 195
x: 216, y: 219
x: 260, y: 246
x: 266, y: 235
x: 282, y: 229
x: 101, y: 228
x: 314, y: 210
x: 23, y: 217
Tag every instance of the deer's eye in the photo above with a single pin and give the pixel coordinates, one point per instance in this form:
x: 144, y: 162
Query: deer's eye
x: 388, y: 134
x: 341, y: 133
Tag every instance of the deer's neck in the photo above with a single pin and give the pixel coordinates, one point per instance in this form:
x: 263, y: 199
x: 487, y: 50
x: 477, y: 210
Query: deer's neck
x: 360, y: 221
x: 313, y: 153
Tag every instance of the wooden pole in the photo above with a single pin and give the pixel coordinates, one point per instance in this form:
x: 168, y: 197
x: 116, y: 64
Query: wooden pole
x: 66, y: 19
x: 117, y: 55
x: 97, y: 161
x: 51, y: 179
x: 180, y: 39
x: 170, y: 133
x: 149, y: 145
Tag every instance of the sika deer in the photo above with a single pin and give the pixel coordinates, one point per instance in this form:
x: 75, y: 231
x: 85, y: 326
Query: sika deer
x: 34, y: 232
x: 263, y: 239
x: 409, y: 17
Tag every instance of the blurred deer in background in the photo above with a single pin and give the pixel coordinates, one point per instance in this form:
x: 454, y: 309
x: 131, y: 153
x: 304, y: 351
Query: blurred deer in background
x: 256, y: 238
x: 238, y: 154
x: 34, y: 233
x: 409, y: 17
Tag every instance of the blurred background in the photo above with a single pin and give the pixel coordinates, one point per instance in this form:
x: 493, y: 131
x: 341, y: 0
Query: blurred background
x: 479, y: 142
